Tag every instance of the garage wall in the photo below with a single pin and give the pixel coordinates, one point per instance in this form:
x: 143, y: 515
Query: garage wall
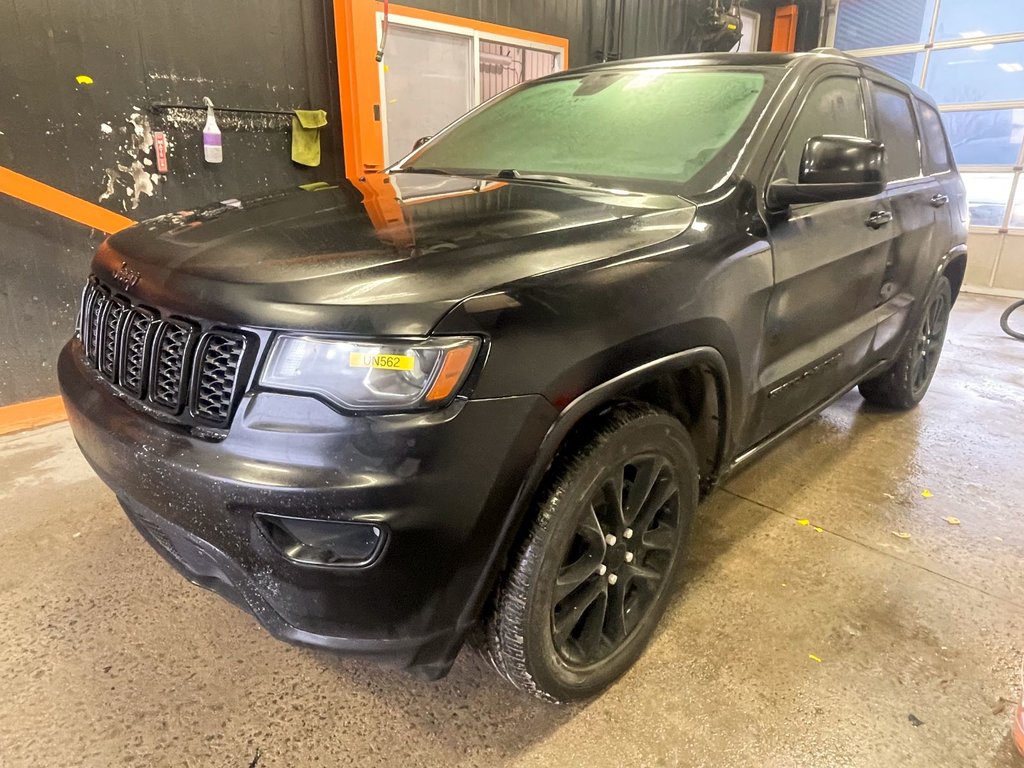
x: 94, y: 140
x: 634, y: 28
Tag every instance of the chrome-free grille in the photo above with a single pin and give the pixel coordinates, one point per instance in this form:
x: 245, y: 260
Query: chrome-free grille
x: 170, y: 363
x: 219, y: 359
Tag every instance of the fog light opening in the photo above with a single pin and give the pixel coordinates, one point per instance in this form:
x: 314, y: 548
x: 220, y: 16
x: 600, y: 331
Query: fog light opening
x: 322, y: 542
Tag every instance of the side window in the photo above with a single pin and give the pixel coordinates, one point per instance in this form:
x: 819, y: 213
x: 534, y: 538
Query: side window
x: 833, y: 107
x: 936, y: 151
x: 896, y: 128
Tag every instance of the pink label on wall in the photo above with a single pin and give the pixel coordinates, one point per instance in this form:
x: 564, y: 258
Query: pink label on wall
x: 160, y: 145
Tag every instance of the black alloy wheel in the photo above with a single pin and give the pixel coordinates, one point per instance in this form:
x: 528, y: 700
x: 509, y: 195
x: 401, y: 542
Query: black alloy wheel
x: 621, y: 552
x: 928, y: 345
x: 904, y: 383
x: 583, y: 595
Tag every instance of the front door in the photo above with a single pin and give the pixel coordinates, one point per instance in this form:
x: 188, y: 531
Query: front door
x: 829, y: 259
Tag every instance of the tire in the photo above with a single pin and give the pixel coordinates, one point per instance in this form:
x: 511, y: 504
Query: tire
x: 561, y: 642
x: 904, y: 384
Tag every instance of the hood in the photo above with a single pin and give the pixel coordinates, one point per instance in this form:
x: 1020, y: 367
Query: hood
x: 391, y: 258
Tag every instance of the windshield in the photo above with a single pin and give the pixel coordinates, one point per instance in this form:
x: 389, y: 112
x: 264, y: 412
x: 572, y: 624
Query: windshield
x: 664, y: 125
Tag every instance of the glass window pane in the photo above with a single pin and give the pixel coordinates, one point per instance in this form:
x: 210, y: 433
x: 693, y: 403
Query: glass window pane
x: 964, y: 19
x: 1017, y: 214
x: 936, y: 152
x: 985, y: 137
x: 987, y: 196
x: 833, y: 107
x: 898, y: 133
x: 904, y: 66
x: 977, y: 73
x: 660, y: 124
x: 875, y: 23
x: 503, y: 65
x: 429, y: 83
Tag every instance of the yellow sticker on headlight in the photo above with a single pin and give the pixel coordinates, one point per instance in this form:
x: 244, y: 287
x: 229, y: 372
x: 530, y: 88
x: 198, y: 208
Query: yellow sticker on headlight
x: 383, y: 362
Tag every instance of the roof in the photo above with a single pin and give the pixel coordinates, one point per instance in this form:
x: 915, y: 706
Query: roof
x: 763, y: 59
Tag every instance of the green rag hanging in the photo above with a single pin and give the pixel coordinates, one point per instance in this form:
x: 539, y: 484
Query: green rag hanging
x: 306, y: 127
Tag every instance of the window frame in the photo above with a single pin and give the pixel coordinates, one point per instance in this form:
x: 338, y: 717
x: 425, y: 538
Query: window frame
x: 774, y: 164
x: 919, y: 106
x: 872, y: 82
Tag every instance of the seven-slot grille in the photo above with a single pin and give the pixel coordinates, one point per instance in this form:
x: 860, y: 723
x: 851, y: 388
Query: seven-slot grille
x: 166, y: 362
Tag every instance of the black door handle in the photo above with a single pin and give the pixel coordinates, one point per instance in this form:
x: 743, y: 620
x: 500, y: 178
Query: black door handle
x: 939, y: 200
x: 878, y: 219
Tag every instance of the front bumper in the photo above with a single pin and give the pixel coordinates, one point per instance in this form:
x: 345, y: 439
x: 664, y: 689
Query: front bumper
x: 441, y: 485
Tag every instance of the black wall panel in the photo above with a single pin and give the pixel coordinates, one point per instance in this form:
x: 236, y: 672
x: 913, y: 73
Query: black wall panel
x: 43, y: 258
x: 94, y: 140
x: 648, y: 27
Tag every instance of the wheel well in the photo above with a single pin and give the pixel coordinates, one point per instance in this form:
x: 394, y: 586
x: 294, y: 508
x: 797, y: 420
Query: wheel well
x: 695, y: 396
x: 955, y: 271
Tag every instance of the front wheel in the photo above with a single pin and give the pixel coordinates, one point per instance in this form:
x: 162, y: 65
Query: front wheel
x: 904, y: 384
x: 583, y: 596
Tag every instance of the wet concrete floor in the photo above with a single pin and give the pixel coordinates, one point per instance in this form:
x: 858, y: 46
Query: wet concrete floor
x: 108, y: 658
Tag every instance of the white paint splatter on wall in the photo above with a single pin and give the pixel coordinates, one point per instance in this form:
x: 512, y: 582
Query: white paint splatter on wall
x: 131, y: 177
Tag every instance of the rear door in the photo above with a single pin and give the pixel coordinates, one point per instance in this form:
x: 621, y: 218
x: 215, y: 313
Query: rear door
x: 918, y: 205
x: 828, y: 260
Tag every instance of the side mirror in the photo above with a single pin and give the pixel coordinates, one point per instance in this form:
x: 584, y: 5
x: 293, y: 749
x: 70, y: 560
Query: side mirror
x: 421, y: 141
x: 833, y: 168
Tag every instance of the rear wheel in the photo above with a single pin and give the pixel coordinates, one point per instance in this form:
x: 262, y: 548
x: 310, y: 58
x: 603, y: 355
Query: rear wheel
x: 904, y: 384
x: 584, y: 594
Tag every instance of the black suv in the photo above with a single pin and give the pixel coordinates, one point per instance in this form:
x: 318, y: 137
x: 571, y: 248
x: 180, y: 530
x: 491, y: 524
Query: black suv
x: 485, y: 390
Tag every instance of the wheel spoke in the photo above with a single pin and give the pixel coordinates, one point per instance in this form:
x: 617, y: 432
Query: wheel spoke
x: 661, y: 537
x: 591, y: 531
x: 647, y: 474
x: 662, y: 493
x: 591, y: 635
x: 918, y: 370
x: 612, y: 493
x: 566, y: 622
x: 643, y: 573
x: 570, y: 577
x: 615, y: 619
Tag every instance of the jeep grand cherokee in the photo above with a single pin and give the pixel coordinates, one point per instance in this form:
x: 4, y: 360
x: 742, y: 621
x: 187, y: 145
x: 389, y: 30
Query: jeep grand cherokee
x: 485, y: 390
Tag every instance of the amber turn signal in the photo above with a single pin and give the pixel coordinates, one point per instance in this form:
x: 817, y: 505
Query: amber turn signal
x: 453, y: 370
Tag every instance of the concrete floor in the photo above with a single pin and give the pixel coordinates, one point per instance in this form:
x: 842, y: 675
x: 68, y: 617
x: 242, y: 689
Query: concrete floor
x: 108, y: 658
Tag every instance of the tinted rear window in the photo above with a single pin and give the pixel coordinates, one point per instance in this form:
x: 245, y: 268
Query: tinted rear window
x: 896, y: 127
x: 936, y: 152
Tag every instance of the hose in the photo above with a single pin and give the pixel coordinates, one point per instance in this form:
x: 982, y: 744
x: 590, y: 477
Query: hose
x: 1004, y: 321
x: 383, y: 34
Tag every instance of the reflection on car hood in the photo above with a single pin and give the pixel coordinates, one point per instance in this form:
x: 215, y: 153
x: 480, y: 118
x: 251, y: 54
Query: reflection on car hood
x: 391, y: 258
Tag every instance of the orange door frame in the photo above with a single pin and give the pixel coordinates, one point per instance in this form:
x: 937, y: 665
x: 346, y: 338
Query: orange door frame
x: 784, y: 29
x: 355, y: 27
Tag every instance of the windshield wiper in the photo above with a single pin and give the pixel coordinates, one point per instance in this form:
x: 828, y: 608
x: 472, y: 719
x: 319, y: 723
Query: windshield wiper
x: 512, y: 173
x: 423, y: 169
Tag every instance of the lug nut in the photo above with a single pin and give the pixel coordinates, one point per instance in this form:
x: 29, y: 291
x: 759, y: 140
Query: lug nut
x: 602, y: 569
x: 629, y: 557
x: 610, y: 540
x: 628, y: 533
x: 612, y: 578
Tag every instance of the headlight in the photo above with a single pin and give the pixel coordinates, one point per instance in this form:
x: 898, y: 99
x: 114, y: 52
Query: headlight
x: 369, y: 375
